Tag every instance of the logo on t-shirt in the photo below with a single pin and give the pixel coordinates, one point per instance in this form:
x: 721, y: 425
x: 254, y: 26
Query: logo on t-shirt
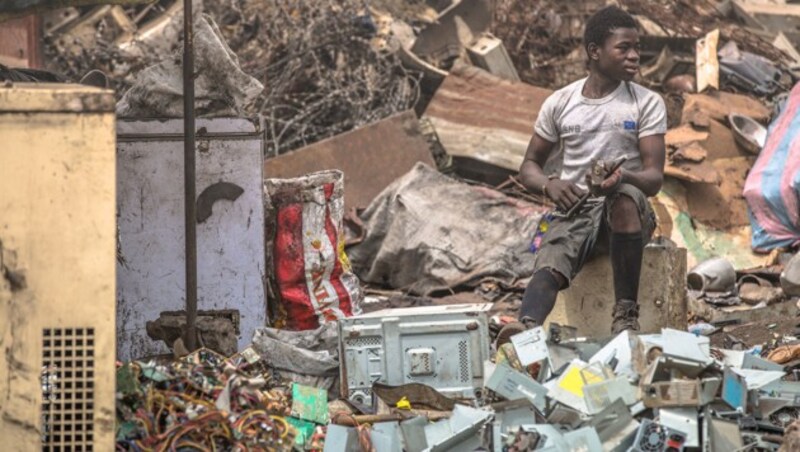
x: 629, y: 125
x: 572, y: 129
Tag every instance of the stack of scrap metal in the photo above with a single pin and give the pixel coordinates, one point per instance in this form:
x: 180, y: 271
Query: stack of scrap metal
x: 550, y: 390
x: 423, y: 379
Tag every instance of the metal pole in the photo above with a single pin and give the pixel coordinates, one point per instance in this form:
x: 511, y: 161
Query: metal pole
x: 189, y: 176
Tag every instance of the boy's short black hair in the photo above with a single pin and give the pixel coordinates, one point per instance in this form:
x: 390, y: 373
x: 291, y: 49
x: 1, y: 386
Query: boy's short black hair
x: 603, y: 23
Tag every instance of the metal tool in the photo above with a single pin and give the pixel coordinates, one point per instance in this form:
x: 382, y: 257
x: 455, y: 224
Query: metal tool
x: 598, y: 176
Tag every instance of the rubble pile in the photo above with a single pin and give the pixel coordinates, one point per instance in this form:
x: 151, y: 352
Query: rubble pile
x: 120, y: 41
x: 544, y: 38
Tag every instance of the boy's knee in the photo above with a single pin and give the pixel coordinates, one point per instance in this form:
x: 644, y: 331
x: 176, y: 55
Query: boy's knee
x: 625, y: 215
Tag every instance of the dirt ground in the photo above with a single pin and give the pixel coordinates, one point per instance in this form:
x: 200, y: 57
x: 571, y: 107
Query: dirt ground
x: 757, y: 333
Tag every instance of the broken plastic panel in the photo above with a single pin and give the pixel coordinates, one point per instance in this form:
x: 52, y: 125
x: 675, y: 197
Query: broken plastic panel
x: 531, y: 345
x: 616, y: 427
x: 561, y: 414
x: 414, y: 434
x: 568, y: 388
x: 460, y: 432
x: 585, y: 438
x: 508, y: 419
x: 683, y: 420
x: 601, y: 395
x: 757, y: 379
x: 514, y: 385
x: 720, y: 434
x: 681, y: 344
x: 551, y: 438
x: 734, y: 390
x: 750, y: 361
x: 341, y: 439
x: 560, y: 357
x: 625, y: 352
x: 387, y: 437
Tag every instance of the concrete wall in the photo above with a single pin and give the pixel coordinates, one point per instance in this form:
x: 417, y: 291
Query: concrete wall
x: 57, y: 228
x: 589, y: 302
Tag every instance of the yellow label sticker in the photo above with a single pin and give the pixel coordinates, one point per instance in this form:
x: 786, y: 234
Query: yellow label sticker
x: 574, y: 382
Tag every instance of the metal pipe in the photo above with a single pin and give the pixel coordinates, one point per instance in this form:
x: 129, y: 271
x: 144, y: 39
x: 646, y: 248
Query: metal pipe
x: 189, y: 176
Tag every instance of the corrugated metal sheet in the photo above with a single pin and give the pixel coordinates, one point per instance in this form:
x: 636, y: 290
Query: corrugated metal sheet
x: 480, y: 116
x: 371, y: 157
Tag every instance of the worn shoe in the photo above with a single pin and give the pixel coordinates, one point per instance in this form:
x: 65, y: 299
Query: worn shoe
x: 626, y: 316
x: 512, y: 329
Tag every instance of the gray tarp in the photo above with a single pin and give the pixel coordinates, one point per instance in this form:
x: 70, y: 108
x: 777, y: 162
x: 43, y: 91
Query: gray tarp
x: 428, y: 232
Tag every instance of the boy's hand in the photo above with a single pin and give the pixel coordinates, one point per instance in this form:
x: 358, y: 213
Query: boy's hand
x: 606, y: 186
x: 610, y: 184
x: 564, y: 193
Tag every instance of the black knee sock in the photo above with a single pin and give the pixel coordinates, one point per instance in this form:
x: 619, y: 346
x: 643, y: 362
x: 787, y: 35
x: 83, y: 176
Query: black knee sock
x: 626, y: 262
x: 540, y: 296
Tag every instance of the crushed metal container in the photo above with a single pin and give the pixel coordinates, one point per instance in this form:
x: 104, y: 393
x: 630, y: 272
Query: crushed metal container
x: 441, y: 346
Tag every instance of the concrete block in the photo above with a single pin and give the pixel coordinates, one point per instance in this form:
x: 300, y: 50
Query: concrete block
x: 589, y: 302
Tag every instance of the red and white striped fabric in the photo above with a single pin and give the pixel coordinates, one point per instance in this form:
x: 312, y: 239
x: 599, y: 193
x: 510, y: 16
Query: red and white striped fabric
x: 310, y: 273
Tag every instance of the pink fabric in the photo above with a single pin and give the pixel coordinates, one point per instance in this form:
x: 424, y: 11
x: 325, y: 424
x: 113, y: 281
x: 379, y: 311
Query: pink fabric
x: 760, y: 209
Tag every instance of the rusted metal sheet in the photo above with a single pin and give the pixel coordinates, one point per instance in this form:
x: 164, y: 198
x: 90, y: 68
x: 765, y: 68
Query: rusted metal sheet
x: 483, y: 117
x: 20, y: 42
x: 371, y: 157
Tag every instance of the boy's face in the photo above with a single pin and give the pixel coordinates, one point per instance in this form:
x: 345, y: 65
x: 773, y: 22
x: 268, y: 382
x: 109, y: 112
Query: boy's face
x: 618, y: 57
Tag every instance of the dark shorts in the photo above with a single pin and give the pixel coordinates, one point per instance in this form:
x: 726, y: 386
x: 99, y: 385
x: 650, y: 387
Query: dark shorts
x: 569, y: 243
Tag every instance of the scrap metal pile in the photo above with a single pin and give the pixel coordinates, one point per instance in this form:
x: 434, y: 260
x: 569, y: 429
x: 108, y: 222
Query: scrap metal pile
x: 545, y: 390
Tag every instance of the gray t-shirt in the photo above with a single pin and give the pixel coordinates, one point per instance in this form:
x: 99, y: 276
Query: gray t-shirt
x: 606, y: 128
